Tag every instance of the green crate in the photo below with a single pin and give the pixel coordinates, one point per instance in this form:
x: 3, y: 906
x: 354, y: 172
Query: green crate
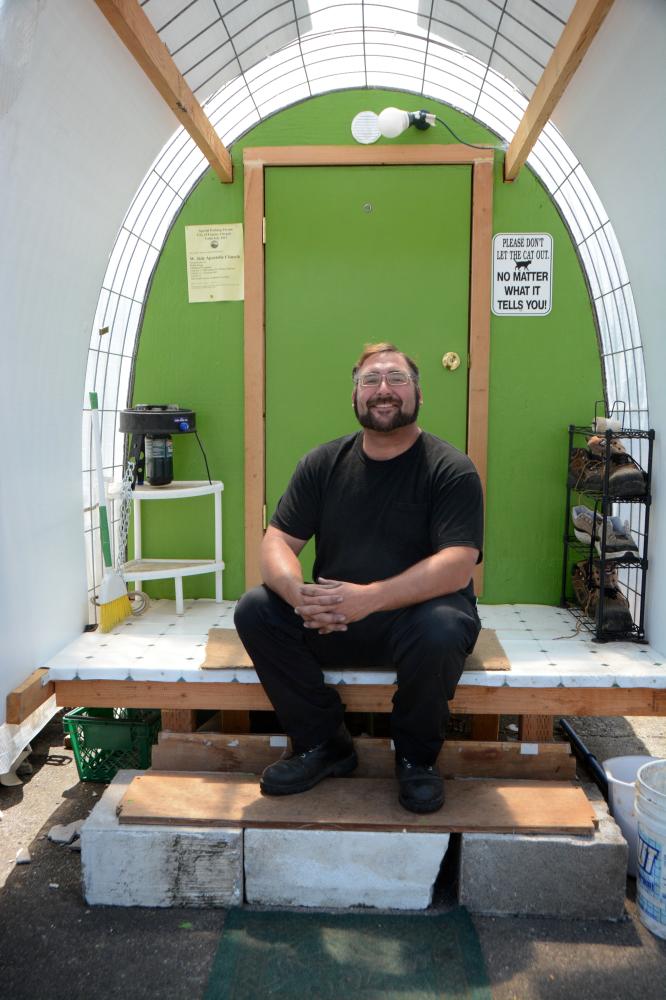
x: 107, y: 740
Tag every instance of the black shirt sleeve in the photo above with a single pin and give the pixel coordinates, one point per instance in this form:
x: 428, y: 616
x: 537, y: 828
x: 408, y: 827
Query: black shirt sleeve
x: 298, y: 509
x: 457, y: 512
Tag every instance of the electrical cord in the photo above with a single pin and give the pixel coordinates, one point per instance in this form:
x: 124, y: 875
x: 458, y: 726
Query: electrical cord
x: 196, y: 434
x: 458, y: 139
x: 140, y: 602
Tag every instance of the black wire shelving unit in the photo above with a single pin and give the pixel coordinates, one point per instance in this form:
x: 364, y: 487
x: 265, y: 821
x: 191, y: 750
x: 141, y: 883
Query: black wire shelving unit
x: 603, y: 502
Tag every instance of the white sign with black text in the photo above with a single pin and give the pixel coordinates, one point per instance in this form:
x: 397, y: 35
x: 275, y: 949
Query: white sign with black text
x: 522, y: 274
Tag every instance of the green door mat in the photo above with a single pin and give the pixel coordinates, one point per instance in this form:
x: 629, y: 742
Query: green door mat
x: 355, y: 956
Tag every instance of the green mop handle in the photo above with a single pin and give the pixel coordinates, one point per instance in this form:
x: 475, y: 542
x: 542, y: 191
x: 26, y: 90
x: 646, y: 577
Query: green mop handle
x: 103, y: 516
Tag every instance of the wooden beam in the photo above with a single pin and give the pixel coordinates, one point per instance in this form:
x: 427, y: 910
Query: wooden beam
x: 254, y: 368
x: 535, y: 728
x: 28, y: 696
x: 471, y: 699
x: 485, y: 727
x: 356, y: 156
x: 479, y: 328
x: 250, y: 754
x: 137, y: 33
x: 179, y: 720
x: 584, y: 22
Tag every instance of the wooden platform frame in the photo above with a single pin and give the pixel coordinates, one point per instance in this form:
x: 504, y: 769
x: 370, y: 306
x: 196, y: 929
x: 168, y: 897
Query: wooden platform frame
x: 179, y: 700
x: 472, y: 699
x: 255, y: 160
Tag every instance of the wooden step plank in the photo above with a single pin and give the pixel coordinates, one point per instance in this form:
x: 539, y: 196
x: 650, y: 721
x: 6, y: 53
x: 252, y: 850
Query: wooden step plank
x: 251, y: 753
x: 204, y: 799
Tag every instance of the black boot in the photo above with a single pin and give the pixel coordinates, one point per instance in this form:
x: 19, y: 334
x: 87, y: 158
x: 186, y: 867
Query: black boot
x: 298, y: 770
x: 421, y: 786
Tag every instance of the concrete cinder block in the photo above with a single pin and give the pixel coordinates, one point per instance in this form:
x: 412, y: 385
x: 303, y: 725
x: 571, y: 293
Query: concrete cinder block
x: 332, y: 868
x: 550, y: 876
x: 157, y: 865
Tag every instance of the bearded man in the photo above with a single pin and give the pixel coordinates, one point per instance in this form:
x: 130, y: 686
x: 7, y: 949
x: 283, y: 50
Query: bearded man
x: 397, y: 516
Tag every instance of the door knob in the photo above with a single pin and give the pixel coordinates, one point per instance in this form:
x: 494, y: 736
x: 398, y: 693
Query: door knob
x: 451, y: 360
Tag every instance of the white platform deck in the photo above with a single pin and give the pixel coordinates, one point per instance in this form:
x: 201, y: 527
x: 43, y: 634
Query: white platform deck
x: 541, y: 643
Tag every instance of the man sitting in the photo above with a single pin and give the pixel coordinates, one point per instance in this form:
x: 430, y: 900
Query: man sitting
x: 397, y: 516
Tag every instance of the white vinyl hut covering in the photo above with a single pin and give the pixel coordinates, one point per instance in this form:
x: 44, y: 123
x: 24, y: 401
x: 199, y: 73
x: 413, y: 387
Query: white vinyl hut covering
x: 247, y: 60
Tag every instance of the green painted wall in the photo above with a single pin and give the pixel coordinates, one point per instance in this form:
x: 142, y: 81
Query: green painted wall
x: 545, y: 371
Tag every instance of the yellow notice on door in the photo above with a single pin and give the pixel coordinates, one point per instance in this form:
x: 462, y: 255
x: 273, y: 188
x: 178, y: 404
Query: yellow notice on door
x: 214, y: 262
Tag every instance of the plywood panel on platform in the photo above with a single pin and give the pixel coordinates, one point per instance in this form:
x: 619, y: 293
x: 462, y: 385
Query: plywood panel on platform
x: 204, y: 799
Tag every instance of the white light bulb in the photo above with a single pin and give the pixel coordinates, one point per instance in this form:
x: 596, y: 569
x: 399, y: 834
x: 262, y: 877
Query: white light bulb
x: 393, y: 122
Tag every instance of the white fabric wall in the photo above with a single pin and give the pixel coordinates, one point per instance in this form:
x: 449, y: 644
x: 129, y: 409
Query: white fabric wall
x: 79, y: 126
x: 612, y: 116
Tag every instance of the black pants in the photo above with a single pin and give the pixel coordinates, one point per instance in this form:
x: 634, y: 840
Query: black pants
x: 426, y: 644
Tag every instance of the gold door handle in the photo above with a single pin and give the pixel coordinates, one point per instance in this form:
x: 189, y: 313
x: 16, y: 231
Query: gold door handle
x: 451, y: 360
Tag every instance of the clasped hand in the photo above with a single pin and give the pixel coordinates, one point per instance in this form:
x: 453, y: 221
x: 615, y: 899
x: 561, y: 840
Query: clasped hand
x: 330, y: 605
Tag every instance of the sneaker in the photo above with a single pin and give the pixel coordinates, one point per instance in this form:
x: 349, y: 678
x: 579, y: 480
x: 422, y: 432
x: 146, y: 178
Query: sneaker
x: 615, y: 615
x: 421, y: 789
x: 620, y: 543
x: 298, y: 770
x: 586, y: 523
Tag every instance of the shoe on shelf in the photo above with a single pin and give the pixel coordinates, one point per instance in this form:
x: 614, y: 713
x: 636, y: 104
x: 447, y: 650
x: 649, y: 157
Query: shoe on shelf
x: 587, y: 468
x: 301, y: 769
x: 598, y: 446
x: 421, y: 789
x: 586, y: 523
x: 620, y: 543
x: 615, y: 615
x: 626, y: 476
x: 586, y: 471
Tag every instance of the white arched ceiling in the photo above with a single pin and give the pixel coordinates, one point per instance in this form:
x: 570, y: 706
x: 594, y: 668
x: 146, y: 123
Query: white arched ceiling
x: 247, y: 60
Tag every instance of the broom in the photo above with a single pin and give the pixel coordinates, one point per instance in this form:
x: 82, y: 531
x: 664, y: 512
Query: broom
x: 112, y: 601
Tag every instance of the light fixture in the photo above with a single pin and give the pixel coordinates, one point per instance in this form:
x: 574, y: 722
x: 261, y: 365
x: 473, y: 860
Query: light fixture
x: 367, y: 127
x: 393, y: 122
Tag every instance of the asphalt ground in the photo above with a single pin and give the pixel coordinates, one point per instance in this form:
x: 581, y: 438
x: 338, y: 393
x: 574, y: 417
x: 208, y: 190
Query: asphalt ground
x: 53, y: 946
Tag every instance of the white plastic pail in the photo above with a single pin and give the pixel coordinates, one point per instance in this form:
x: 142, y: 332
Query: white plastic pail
x: 621, y: 773
x: 651, y: 814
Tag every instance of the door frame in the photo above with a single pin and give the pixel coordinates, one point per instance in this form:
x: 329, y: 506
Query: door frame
x: 255, y: 160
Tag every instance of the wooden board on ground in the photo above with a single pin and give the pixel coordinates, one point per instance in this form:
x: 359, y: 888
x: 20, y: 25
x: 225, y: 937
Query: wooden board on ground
x: 205, y: 799
x: 225, y: 651
x: 251, y: 753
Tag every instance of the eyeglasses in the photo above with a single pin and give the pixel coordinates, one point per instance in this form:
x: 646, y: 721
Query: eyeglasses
x: 372, y: 380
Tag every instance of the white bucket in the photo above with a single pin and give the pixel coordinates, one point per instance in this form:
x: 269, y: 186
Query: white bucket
x: 651, y: 813
x: 621, y: 773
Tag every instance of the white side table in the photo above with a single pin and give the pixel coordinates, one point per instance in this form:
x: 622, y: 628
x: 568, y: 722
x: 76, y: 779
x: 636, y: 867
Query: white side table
x: 141, y: 568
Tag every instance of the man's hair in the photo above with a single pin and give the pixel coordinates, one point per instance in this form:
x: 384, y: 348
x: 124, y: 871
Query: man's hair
x: 383, y: 348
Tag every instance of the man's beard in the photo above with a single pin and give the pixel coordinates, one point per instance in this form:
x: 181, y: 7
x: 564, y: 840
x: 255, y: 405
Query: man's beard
x: 402, y: 416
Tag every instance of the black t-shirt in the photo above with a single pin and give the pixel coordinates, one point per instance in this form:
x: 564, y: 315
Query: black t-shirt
x: 374, y: 519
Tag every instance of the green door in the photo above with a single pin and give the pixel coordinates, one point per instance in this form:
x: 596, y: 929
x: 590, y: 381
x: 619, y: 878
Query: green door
x: 357, y: 255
